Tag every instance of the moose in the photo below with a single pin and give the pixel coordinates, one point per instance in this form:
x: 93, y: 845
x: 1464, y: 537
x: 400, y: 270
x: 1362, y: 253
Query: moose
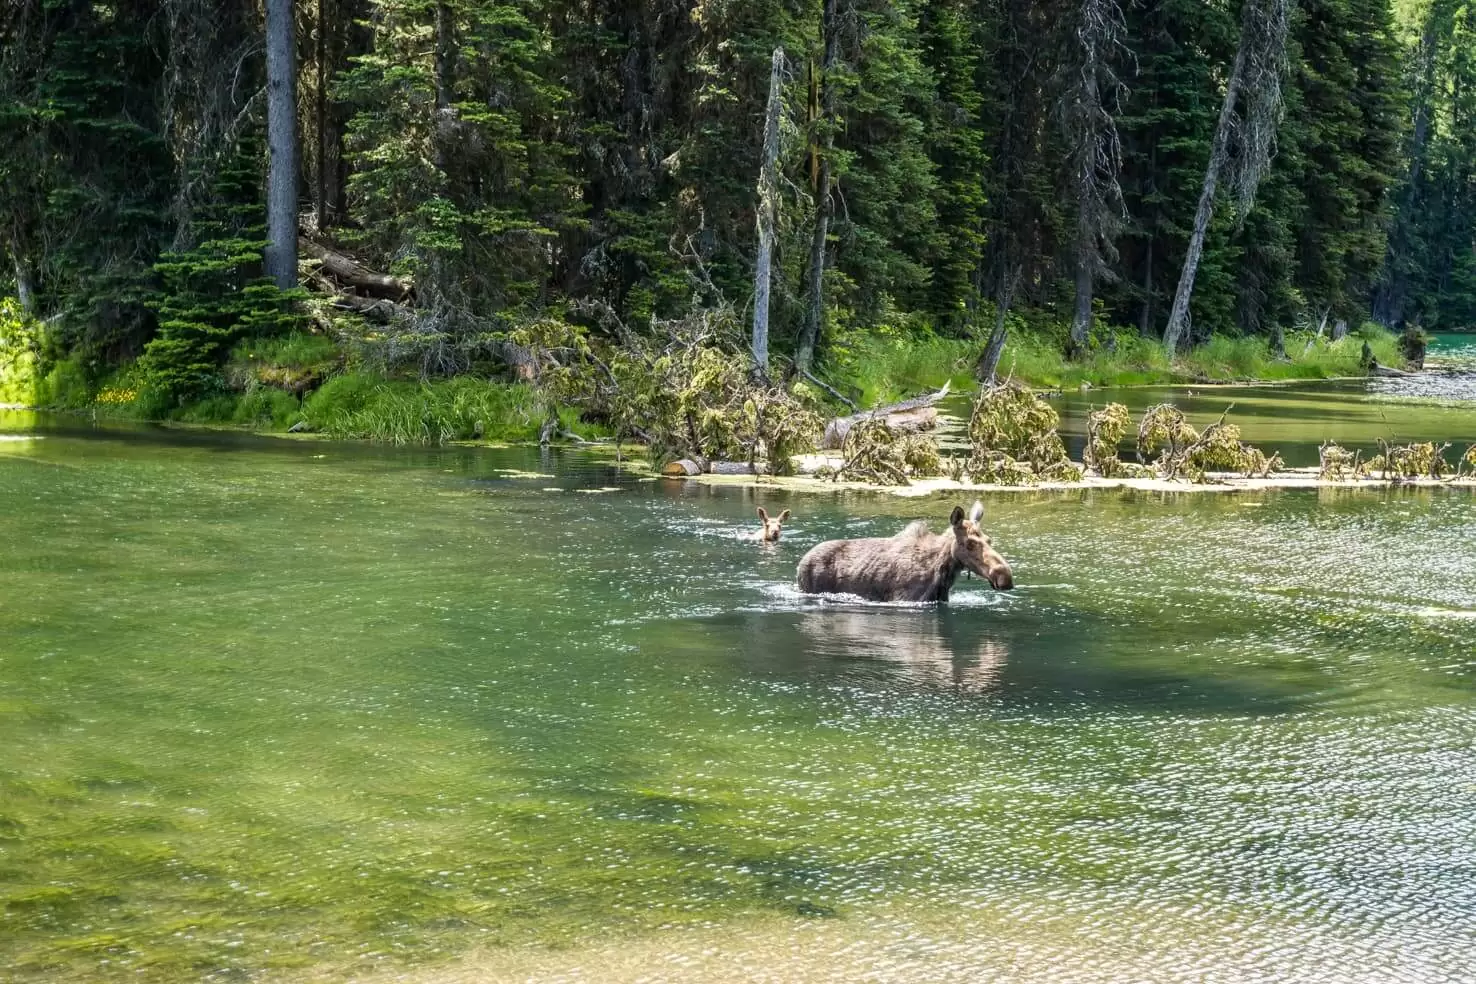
x: 914, y: 565
x: 772, y: 527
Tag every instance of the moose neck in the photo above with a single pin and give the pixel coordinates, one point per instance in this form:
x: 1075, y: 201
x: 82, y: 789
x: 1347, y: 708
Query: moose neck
x: 949, y: 566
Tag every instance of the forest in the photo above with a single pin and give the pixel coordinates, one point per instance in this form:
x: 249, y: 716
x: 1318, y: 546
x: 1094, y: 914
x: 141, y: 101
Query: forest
x: 437, y: 180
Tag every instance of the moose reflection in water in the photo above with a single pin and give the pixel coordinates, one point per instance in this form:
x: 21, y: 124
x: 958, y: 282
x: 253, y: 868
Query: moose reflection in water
x: 912, y: 645
x: 915, y: 565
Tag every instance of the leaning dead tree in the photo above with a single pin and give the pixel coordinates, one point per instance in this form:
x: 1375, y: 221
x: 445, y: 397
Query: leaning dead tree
x: 1089, y: 104
x: 768, y: 209
x: 1249, y: 115
x: 988, y: 364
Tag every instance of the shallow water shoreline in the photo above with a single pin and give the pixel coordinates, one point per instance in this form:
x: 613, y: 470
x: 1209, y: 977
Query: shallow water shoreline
x: 1292, y: 478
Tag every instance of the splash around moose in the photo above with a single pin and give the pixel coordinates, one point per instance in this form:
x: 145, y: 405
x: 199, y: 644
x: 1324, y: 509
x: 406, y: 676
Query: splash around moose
x: 913, y: 565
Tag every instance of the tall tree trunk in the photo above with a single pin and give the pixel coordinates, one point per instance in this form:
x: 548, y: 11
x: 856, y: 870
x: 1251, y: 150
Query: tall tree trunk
x: 1145, y: 318
x: 988, y: 365
x: 804, y: 355
x: 281, y: 58
x: 1081, y: 319
x: 1179, y: 315
x: 25, y: 287
x: 1087, y: 106
x: 1389, y: 299
x: 445, y: 54
x: 320, y: 111
x: 768, y: 206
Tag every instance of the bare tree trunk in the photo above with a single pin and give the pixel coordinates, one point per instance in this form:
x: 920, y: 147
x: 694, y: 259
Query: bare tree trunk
x: 320, y: 110
x: 25, y: 287
x: 768, y: 206
x: 988, y: 364
x: 1260, y: 64
x: 445, y: 54
x: 281, y: 58
x: 1145, y: 319
x: 1179, y: 315
x: 804, y: 355
x: 1081, y: 319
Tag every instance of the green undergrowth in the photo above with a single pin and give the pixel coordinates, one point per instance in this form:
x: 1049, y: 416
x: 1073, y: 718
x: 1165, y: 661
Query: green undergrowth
x: 885, y: 368
x: 362, y: 406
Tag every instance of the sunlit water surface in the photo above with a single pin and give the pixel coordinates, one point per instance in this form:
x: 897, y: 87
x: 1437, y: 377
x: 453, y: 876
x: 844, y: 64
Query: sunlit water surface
x: 301, y: 711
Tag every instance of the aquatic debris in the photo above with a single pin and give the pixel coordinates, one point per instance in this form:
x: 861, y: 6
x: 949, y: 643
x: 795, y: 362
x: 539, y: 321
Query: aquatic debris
x: 1164, y: 426
x: 1105, y: 430
x: 873, y: 452
x: 1337, y: 462
x: 1468, y: 460
x: 686, y: 389
x: 1185, y: 452
x: 1402, y: 462
x: 1014, y: 438
x: 516, y: 473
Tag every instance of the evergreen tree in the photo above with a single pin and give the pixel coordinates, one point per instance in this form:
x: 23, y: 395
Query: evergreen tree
x: 216, y: 292
x: 457, y: 180
x: 951, y: 50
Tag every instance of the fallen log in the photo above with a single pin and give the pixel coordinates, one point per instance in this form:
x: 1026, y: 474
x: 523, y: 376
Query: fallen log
x: 909, y: 416
x: 381, y: 311
x: 352, y: 273
x: 1375, y: 369
x: 681, y: 468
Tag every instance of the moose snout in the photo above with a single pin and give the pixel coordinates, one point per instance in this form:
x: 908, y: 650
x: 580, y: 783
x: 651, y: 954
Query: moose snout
x: 1001, y: 579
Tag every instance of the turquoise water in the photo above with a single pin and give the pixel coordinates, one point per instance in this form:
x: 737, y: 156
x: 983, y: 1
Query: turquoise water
x: 301, y: 711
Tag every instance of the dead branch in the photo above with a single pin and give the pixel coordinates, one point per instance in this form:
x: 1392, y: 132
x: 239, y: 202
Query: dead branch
x: 350, y: 272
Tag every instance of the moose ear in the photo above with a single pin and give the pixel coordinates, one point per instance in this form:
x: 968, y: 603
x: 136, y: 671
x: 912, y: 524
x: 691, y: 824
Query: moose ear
x: 763, y: 515
x: 784, y: 515
x: 976, y: 512
x: 957, y: 516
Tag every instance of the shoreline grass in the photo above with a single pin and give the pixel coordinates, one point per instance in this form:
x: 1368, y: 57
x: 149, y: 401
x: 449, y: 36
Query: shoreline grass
x: 883, y: 370
x: 872, y: 370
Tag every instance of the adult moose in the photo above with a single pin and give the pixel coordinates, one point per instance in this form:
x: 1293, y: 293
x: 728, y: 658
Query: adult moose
x: 914, y: 565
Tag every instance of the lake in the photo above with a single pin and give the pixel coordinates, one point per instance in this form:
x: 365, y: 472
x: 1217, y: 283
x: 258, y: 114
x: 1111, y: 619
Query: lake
x: 301, y: 711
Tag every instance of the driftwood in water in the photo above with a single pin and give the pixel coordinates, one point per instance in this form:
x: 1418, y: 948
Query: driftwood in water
x: 688, y: 467
x: 731, y: 468
x: 353, y: 274
x: 1375, y: 369
x: 909, y: 416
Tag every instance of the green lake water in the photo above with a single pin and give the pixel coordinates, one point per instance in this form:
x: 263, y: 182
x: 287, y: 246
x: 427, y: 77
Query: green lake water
x: 289, y: 711
x: 1294, y: 418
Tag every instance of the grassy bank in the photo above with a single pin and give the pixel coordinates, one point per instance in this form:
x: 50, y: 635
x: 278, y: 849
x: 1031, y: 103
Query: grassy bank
x: 277, y: 384
x: 308, y: 381
x: 883, y: 369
